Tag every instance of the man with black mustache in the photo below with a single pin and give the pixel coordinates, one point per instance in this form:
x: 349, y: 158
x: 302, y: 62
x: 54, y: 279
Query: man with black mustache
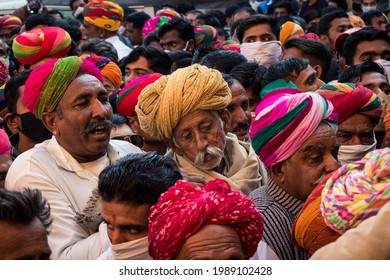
x: 69, y: 97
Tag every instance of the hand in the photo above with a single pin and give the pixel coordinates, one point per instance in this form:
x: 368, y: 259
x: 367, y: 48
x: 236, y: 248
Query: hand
x: 193, y: 178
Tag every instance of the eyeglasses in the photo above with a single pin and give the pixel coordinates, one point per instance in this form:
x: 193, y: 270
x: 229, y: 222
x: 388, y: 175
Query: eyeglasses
x: 134, y: 139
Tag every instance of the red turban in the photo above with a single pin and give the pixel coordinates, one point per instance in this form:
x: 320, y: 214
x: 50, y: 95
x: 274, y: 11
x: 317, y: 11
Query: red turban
x: 8, y: 22
x: 104, y: 14
x: 184, y: 208
x: 128, y: 96
x: 47, y: 83
x: 48, y: 42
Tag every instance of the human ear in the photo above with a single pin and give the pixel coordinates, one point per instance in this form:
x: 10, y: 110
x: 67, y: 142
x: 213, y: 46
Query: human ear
x: 50, y: 120
x: 12, y: 122
x: 277, y: 171
x: 318, y: 70
x: 171, y: 144
x: 225, y: 117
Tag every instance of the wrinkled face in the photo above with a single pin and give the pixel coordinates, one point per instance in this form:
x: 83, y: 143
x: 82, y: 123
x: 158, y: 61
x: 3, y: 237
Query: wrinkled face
x: 212, y: 242
x: 376, y: 82
x: 371, y: 50
x: 307, y: 80
x: 32, y: 236
x: 306, y: 168
x: 379, y: 22
x: 134, y: 34
x: 91, y: 31
x: 338, y: 26
x: 356, y: 130
x: 137, y: 69
x: 125, y: 222
x: 200, y: 137
x: 83, y: 116
x: 172, y: 41
x: 240, y: 116
x: 259, y: 32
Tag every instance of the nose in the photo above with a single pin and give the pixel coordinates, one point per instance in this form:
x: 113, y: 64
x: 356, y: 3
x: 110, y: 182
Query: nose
x: 99, y: 110
x: 331, y: 164
x: 116, y: 237
x: 201, y: 141
x: 129, y: 78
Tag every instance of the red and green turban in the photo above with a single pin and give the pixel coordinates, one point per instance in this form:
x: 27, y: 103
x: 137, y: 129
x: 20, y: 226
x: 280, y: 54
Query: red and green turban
x: 9, y: 22
x: 103, y: 14
x: 205, y: 34
x: 128, y: 96
x: 184, y: 208
x: 47, y: 83
x: 37, y: 44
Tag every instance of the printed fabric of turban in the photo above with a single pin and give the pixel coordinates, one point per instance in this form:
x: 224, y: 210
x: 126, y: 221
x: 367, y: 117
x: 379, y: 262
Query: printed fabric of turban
x: 47, y: 83
x: 205, y: 34
x: 154, y: 24
x: 128, y: 97
x: 104, y: 14
x: 184, y: 208
x: 37, y: 44
x: 357, y: 191
x: 228, y: 45
x: 284, y: 121
x: 164, y: 103
x: 109, y: 69
x: 349, y: 99
x: 288, y: 29
x: 309, y: 231
x: 9, y: 22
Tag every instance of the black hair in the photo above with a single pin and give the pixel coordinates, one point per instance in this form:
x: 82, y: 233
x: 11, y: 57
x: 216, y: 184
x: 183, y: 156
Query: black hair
x: 285, y: 69
x: 24, y: 207
x: 158, y: 60
x: 223, y: 60
x: 249, y: 10
x: 229, y: 11
x: 39, y: 19
x: 184, y: 7
x: 316, y: 51
x: 184, y: 28
x: 282, y: 4
x: 118, y: 119
x: 354, y: 73
x: 138, y: 19
x: 311, y: 15
x: 209, y: 20
x: 341, y: 4
x: 138, y: 178
x: 255, y: 20
x: 234, y: 26
x: 201, y: 51
x: 326, y: 21
x: 368, y: 33
x: 55, y: 12
x: 100, y: 47
x: 368, y: 16
x: 244, y: 73
x: 219, y: 15
x: 11, y: 89
x: 179, y: 54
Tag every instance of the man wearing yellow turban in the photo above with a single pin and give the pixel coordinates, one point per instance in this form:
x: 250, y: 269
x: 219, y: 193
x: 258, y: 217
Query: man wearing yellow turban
x: 187, y: 109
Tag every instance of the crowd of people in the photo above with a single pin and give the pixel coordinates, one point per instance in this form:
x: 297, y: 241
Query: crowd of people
x: 258, y: 131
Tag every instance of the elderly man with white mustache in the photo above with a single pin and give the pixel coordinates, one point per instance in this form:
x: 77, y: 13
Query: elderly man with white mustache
x: 187, y: 110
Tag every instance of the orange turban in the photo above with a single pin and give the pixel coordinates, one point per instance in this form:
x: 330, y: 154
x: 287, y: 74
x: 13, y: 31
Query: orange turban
x: 288, y: 29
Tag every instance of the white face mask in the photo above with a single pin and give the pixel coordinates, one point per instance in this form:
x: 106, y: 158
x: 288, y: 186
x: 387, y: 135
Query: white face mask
x: 132, y: 250
x: 263, y: 53
x: 352, y: 153
x: 368, y: 8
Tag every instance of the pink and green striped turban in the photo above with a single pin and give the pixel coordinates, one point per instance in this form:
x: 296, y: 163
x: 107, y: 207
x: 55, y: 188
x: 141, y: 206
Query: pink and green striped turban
x: 357, y: 191
x: 284, y: 121
x: 228, y: 45
x: 205, y: 34
x: 349, y: 99
x: 184, y: 208
x: 9, y: 22
x: 104, y: 14
x: 154, y: 24
x: 47, y: 83
x: 128, y: 97
x: 48, y: 42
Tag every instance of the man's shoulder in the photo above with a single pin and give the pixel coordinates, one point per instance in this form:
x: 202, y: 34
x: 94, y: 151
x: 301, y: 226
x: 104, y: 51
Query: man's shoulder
x: 124, y: 148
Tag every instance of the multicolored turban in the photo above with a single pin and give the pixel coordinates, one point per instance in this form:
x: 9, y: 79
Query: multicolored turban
x: 4, y: 75
x: 128, y: 97
x: 154, y: 24
x: 284, y: 121
x: 309, y: 231
x: 386, y: 121
x: 310, y: 36
x: 47, y: 83
x: 349, y: 99
x: 184, y: 208
x: 9, y: 22
x: 357, y: 191
x: 228, y: 45
x: 164, y: 103
x: 109, y: 69
x: 205, y: 34
x: 37, y: 44
x: 288, y: 29
x: 104, y: 14
x: 5, y: 144
x: 167, y: 13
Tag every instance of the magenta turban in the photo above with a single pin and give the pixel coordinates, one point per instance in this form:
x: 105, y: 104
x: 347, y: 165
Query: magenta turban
x: 184, y: 208
x: 47, y: 83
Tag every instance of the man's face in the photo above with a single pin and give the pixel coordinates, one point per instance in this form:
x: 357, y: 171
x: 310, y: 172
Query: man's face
x: 280, y: 12
x: 191, y: 18
x: 371, y: 50
x: 338, y: 26
x: 172, y: 41
x: 369, y: 3
x: 307, y: 80
x: 83, y: 116
x: 376, y: 82
x: 76, y: 4
x: 137, y: 69
x: 134, y: 34
x: 212, y: 242
x: 32, y: 236
x: 379, y: 22
x: 125, y: 222
x: 241, y: 15
x: 306, y: 168
x: 356, y: 130
x: 312, y: 25
x: 260, y: 32
x: 240, y: 116
x: 91, y: 31
x: 200, y: 137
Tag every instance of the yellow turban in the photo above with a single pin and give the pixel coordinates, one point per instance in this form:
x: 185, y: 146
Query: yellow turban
x: 162, y: 104
x: 288, y: 29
